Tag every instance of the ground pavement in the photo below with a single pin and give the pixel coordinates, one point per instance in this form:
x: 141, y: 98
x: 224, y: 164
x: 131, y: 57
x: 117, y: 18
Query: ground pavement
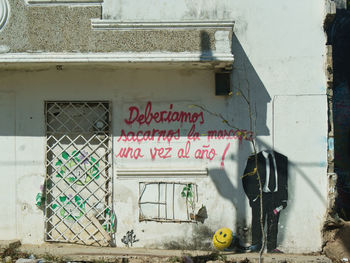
x: 13, y: 251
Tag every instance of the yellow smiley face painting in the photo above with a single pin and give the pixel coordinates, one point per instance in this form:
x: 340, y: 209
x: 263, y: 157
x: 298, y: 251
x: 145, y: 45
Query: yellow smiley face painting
x: 222, y: 238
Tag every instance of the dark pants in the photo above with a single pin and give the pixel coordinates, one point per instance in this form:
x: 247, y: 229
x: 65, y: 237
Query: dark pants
x: 269, y: 204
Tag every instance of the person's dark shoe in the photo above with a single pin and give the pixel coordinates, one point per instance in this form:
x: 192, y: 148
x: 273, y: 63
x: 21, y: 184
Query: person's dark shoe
x: 253, y: 248
x: 275, y: 251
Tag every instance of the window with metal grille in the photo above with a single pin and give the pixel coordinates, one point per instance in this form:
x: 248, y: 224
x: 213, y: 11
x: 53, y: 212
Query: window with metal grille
x: 78, y: 206
x: 167, y: 201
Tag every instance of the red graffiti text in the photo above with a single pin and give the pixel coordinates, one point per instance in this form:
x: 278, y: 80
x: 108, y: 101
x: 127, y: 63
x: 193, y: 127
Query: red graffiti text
x: 230, y: 134
x: 129, y: 152
x: 163, y: 153
x: 183, y: 152
x: 149, y: 135
x: 164, y: 116
x: 206, y: 152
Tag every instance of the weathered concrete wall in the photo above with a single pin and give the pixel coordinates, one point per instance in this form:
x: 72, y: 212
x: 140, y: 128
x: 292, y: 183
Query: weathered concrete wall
x: 65, y: 28
x: 221, y: 191
x: 279, y: 51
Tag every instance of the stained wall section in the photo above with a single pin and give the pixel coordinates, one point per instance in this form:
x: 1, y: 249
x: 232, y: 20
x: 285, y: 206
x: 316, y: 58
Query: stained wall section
x: 219, y: 190
x: 279, y: 53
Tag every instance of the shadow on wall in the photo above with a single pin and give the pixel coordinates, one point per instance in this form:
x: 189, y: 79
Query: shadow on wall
x: 244, y: 80
x: 206, y: 52
x: 297, y: 168
x: 294, y: 170
x: 238, y: 198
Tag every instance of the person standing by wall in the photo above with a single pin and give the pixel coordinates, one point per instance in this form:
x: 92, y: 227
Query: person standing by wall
x: 273, y: 171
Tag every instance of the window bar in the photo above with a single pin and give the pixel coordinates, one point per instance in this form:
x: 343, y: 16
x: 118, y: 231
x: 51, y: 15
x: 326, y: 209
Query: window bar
x: 166, y: 202
x: 173, y: 201
x: 158, y: 200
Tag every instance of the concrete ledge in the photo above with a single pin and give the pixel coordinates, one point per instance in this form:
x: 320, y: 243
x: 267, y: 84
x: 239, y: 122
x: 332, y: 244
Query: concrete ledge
x: 105, y: 24
x: 56, y: 2
x: 194, y: 59
x: 142, y: 173
x: 69, y: 252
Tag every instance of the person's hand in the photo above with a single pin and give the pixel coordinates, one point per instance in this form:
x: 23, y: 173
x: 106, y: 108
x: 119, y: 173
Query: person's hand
x: 253, y: 200
x: 284, y: 204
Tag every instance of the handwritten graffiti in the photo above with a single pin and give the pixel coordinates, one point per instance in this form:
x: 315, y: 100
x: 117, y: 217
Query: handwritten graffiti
x: 193, y: 134
x: 70, y: 208
x: 40, y: 198
x: 164, y: 116
x: 224, y: 155
x: 149, y: 135
x: 184, y: 152
x: 130, y: 238
x: 78, y: 167
x: 230, y: 135
x: 130, y: 152
x: 191, y: 140
x: 205, y: 152
x: 163, y: 153
x: 110, y: 227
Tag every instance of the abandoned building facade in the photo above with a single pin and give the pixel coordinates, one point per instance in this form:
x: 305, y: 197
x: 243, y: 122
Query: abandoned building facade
x: 131, y: 122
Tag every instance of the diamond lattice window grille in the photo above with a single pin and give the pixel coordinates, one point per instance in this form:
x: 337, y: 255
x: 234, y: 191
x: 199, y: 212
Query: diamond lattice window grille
x: 78, y: 188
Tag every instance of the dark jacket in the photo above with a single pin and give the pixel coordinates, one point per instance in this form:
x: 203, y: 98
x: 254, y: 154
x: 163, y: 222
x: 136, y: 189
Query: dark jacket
x: 250, y: 177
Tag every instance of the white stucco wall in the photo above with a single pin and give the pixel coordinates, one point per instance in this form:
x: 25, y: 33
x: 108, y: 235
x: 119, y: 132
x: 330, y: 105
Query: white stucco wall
x: 298, y: 121
x: 284, y: 41
x: 279, y: 50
